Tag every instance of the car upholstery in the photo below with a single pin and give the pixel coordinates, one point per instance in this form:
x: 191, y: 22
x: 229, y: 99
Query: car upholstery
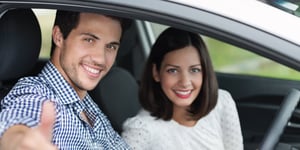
x: 20, y: 42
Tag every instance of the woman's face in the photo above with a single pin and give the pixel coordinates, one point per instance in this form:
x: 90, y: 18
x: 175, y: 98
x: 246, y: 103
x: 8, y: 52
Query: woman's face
x: 180, y: 76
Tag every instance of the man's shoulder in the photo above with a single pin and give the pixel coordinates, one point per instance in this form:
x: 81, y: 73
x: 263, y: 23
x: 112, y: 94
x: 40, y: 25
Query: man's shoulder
x: 31, y: 84
x: 39, y: 80
x: 31, y: 81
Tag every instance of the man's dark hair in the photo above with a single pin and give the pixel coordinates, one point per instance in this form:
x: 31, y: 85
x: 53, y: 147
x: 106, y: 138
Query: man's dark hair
x: 151, y: 95
x: 68, y: 20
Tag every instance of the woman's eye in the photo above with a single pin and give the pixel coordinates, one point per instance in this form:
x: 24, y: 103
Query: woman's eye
x: 172, y: 70
x: 195, y: 70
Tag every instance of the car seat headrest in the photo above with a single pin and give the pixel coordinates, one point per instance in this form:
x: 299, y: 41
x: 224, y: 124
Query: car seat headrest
x: 127, y: 42
x: 117, y: 96
x: 20, y: 42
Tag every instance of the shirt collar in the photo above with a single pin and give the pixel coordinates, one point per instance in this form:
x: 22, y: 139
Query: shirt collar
x: 66, y: 94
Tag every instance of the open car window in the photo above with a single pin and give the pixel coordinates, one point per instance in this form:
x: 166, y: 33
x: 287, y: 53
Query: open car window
x: 231, y: 59
x: 226, y: 58
x: 46, y: 20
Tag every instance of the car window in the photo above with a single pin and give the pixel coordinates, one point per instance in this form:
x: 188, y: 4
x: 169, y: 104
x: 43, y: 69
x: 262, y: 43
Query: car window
x: 46, y: 20
x: 290, y: 6
x: 228, y: 58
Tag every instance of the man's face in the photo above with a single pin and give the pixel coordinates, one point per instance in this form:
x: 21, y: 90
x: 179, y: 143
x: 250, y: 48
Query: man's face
x: 88, y: 52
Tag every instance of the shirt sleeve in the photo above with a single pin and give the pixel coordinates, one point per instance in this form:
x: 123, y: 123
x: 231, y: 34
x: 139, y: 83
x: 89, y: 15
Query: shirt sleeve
x: 21, y: 106
x: 136, y: 134
x: 230, y: 123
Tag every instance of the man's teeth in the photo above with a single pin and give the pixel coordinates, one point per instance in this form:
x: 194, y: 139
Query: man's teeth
x: 95, y: 71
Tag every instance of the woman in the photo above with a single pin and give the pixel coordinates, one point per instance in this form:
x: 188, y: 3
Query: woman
x: 182, y: 105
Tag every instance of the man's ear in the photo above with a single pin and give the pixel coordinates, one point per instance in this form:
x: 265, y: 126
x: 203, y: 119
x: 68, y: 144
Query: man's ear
x: 155, y: 73
x: 57, y: 36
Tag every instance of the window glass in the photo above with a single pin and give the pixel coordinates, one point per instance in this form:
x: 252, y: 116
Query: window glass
x: 227, y: 58
x: 46, y: 20
x: 290, y: 6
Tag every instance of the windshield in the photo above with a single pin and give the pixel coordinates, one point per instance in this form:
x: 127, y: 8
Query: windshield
x: 290, y: 6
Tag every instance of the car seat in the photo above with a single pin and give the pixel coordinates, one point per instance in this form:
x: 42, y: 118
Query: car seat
x: 117, y: 96
x: 20, y: 42
x: 117, y: 92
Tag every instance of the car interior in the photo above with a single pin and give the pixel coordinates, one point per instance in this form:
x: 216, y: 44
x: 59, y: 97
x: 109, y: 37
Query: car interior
x: 117, y: 92
x: 20, y: 46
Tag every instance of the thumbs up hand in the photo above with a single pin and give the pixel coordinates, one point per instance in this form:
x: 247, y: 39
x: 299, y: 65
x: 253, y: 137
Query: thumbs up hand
x: 48, y: 117
x: 20, y: 137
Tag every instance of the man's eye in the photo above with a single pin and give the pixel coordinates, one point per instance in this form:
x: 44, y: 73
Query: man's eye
x: 89, y: 40
x: 112, y: 46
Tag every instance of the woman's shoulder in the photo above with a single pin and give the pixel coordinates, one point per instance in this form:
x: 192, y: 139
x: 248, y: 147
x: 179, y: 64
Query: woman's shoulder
x: 224, y: 96
x: 223, y: 92
x: 142, y: 120
x: 225, y: 100
x: 144, y: 131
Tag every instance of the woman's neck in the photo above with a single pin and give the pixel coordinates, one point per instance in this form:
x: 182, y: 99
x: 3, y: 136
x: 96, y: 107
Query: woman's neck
x: 183, y: 117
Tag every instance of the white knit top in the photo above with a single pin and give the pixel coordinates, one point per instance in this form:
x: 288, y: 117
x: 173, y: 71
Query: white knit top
x: 219, y: 130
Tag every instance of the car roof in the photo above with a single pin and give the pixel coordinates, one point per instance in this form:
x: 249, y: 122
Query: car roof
x: 254, y: 13
x: 251, y: 12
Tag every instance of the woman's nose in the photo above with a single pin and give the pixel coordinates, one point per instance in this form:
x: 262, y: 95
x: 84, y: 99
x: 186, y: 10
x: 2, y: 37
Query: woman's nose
x: 185, y: 80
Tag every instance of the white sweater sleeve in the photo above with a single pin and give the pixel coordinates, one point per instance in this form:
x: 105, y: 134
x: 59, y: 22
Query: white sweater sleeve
x: 230, y: 123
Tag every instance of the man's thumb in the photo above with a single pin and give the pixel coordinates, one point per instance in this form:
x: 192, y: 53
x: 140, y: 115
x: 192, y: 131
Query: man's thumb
x: 48, y: 117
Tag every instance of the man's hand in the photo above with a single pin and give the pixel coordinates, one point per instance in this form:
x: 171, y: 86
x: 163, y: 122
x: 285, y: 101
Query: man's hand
x: 20, y: 137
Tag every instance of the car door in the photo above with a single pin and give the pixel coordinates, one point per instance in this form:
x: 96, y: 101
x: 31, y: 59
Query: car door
x: 258, y: 85
x: 258, y: 94
x: 258, y: 100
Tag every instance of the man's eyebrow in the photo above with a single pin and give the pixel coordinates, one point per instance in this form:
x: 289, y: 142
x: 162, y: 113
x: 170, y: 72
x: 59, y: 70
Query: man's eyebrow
x: 90, y: 34
x: 115, y: 43
x: 96, y: 37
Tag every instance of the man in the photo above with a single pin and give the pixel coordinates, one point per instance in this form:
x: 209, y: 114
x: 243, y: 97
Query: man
x: 53, y: 109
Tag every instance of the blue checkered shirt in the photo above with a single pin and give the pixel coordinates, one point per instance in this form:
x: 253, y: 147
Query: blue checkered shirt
x: 23, y: 105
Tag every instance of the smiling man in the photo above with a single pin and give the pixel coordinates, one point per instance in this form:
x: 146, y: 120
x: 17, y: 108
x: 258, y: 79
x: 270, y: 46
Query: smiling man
x: 53, y: 109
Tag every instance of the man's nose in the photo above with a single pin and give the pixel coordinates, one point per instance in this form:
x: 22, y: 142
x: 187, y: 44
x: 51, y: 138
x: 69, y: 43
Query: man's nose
x: 99, y: 54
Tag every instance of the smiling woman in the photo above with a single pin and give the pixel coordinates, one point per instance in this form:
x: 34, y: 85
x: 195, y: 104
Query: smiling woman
x: 179, y: 90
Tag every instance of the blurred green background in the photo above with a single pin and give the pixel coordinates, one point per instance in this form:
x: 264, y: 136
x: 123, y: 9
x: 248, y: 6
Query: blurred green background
x: 231, y: 59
